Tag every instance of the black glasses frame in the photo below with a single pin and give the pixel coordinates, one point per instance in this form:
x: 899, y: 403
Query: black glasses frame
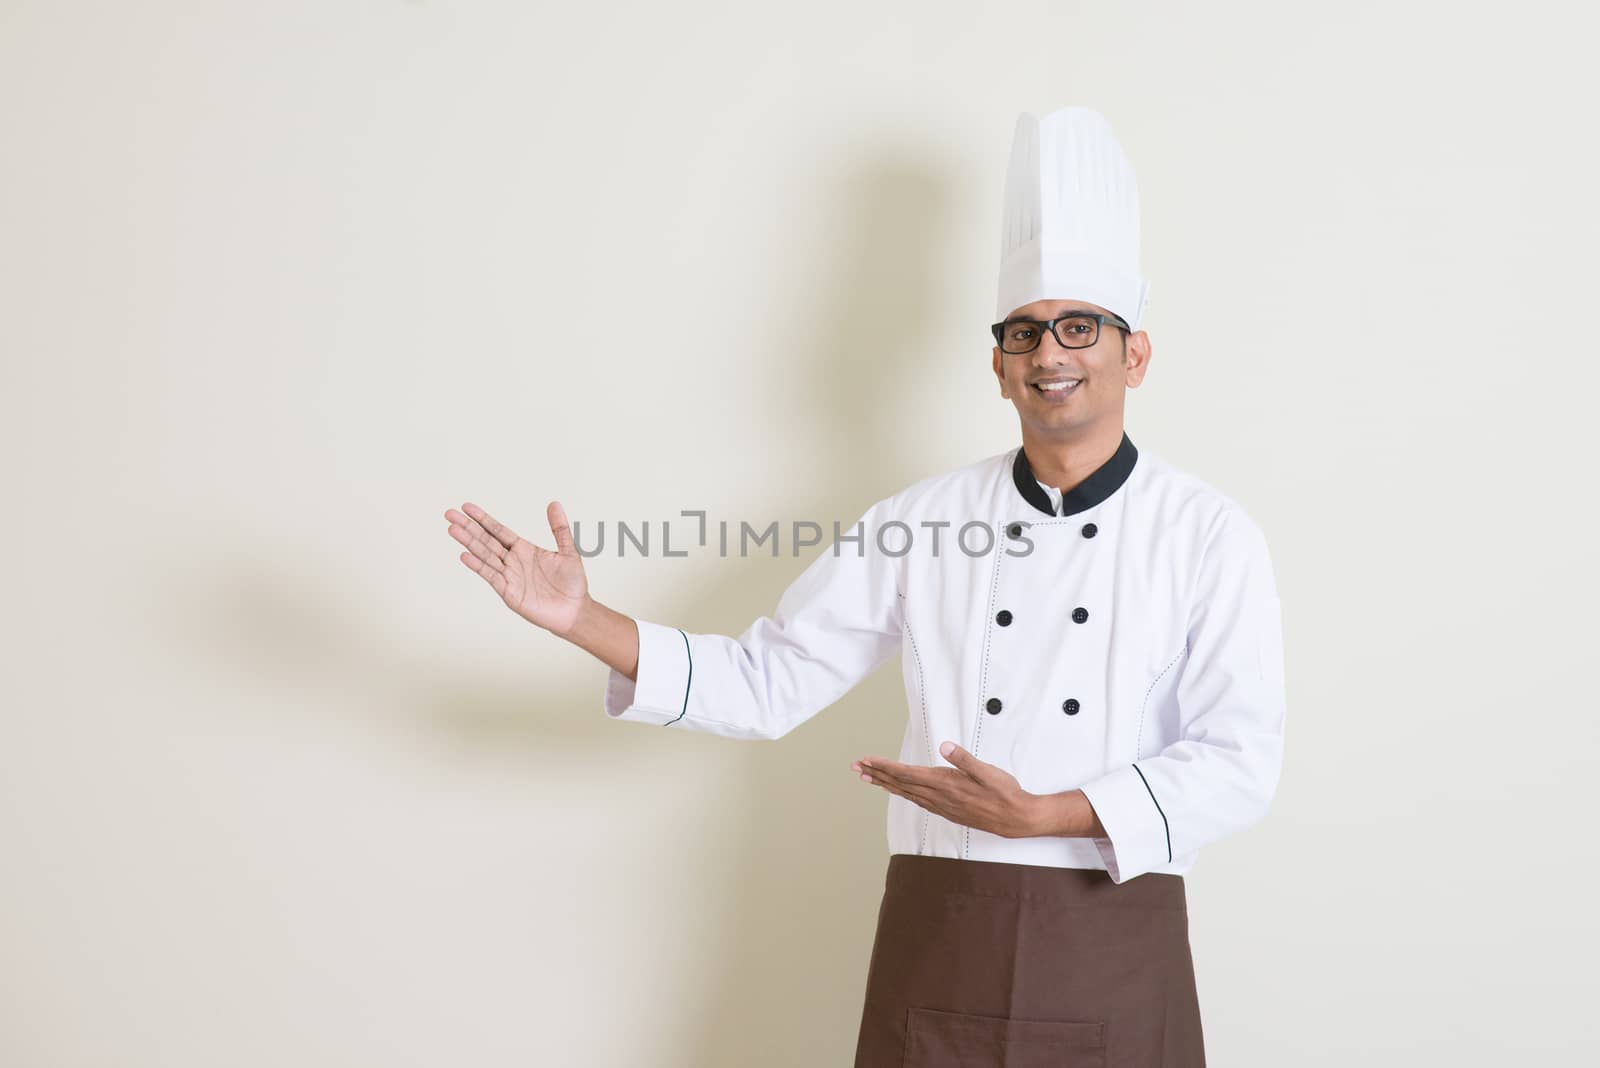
x: 998, y: 330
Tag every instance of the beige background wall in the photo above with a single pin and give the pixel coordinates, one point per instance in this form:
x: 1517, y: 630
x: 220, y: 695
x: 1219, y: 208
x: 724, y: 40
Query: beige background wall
x: 283, y: 783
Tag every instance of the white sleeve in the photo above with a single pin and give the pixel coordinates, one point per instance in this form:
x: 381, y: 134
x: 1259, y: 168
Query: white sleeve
x: 836, y: 622
x: 1221, y: 775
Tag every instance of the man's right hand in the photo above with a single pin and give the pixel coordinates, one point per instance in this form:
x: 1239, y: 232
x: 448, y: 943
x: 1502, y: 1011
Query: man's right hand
x: 546, y: 588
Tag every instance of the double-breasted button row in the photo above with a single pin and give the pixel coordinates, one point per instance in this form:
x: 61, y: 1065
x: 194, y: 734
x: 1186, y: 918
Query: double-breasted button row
x: 1088, y: 530
x: 1079, y: 615
x: 1070, y: 706
x: 1004, y: 617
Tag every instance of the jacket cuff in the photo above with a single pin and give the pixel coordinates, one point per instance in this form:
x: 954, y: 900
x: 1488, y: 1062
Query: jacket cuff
x: 660, y: 694
x: 1137, y: 837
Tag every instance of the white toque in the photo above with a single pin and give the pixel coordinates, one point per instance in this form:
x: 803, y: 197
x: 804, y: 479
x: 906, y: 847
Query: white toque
x: 1070, y: 228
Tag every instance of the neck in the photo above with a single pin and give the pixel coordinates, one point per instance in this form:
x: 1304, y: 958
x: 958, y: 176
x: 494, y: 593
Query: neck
x: 1065, y: 462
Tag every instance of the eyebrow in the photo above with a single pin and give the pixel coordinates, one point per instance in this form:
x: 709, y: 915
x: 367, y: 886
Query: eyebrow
x: 1069, y: 311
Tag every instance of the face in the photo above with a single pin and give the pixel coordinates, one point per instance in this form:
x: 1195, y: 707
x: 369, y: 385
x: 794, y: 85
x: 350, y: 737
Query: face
x: 1104, y: 371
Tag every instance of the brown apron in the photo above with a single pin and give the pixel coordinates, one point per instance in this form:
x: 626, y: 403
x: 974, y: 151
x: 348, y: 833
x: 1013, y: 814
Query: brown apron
x: 979, y: 964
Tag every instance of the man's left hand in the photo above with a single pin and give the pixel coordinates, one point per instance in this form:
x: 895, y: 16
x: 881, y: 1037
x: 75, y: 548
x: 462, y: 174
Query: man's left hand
x: 972, y: 794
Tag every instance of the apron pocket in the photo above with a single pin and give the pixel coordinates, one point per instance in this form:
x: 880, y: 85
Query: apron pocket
x: 938, y: 1039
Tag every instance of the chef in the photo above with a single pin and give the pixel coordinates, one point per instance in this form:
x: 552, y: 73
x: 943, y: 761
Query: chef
x: 1090, y: 643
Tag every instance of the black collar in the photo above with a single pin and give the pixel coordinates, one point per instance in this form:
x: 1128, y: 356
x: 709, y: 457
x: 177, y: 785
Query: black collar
x: 1102, y: 482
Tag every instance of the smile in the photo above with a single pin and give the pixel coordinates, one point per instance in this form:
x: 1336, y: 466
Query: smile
x: 1058, y: 388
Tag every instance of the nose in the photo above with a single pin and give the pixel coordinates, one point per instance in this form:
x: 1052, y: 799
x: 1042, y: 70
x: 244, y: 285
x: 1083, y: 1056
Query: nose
x: 1049, y: 349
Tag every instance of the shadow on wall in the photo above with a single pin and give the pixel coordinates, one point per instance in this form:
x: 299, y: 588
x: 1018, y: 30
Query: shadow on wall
x: 786, y: 879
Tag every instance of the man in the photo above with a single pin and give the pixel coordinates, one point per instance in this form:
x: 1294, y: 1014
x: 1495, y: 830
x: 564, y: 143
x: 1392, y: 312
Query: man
x: 1091, y: 646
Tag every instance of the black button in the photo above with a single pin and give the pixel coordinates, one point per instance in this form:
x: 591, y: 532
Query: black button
x: 1080, y: 614
x: 1070, y: 706
x: 1090, y: 530
x: 1003, y: 618
x: 993, y: 705
x: 1014, y: 530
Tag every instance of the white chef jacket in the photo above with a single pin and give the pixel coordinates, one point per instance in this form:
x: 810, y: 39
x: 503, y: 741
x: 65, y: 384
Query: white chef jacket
x: 1125, y: 640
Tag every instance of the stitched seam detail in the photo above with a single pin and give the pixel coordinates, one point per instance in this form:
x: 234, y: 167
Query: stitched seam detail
x: 686, y: 682
x: 922, y: 691
x: 983, y: 674
x: 1153, y: 800
x: 1138, y: 738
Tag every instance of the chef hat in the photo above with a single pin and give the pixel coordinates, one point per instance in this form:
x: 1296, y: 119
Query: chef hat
x: 1070, y: 229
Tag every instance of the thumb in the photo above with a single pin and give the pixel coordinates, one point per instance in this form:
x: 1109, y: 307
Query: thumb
x: 558, y: 526
x: 963, y: 760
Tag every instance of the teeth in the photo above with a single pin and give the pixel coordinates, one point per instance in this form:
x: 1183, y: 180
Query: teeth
x: 1058, y: 385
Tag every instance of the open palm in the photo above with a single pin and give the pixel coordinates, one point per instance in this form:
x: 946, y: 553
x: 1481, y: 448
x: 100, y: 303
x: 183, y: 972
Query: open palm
x: 545, y: 588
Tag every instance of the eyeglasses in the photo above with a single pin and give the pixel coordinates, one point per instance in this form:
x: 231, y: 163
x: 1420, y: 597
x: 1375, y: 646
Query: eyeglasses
x: 1074, y: 330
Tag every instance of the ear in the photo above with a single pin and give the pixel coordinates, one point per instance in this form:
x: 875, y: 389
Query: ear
x: 1135, y: 358
x: 999, y: 373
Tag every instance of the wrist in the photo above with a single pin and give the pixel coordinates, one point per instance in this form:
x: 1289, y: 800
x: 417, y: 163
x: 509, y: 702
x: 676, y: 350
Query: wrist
x: 1063, y: 815
x: 582, y: 621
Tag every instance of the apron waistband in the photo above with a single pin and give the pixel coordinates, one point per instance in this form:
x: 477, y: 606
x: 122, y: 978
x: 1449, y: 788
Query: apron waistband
x: 918, y: 874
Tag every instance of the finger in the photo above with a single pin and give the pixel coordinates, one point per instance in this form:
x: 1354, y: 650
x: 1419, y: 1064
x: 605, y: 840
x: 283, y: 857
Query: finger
x: 911, y: 773
x: 559, y: 527
x: 891, y: 766
x: 930, y: 802
x: 940, y: 788
x: 487, y: 551
x: 497, y: 530
x: 474, y: 537
x: 476, y: 529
